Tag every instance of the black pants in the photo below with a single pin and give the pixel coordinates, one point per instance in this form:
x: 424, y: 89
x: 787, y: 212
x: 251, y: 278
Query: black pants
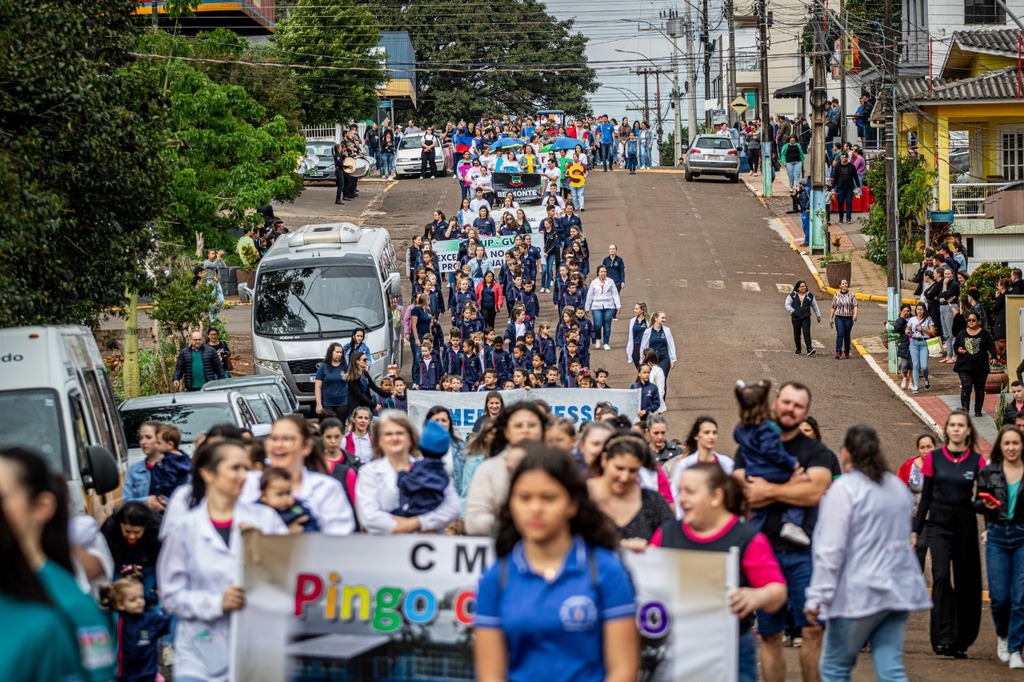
x: 956, y: 612
x: 921, y: 548
x: 489, y: 314
x: 350, y: 186
x: 339, y: 180
x: 801, y: 325
x: 976, y: 381
x: 754, y: 159
x: 428, y: 160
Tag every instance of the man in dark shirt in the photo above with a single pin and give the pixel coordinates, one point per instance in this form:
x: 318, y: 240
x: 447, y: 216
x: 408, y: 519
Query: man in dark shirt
x: 844, y: 182
x: 805, y: 490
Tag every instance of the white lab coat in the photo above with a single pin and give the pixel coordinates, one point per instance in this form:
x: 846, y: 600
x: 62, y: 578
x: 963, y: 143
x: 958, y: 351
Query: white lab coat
x: 194, y: 569
x: 377, y: 496
x: 323, y: 494
x: 658, y: 379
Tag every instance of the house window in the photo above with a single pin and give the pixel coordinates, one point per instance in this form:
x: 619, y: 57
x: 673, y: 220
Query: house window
x: 1011, y: 154
x: 984, y: 12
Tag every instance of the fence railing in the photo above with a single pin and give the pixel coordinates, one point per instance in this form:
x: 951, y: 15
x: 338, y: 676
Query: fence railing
x: 967, y: 199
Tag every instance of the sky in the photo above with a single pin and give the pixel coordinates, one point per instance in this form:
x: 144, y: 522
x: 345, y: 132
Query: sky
x: 613, y: 25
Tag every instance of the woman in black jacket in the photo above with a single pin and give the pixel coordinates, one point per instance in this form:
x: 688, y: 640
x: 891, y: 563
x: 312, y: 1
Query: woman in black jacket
x: 949, y: 302
x: 360, y: 383
x: 800, y: 304
x: 932, y: 288
x: 974, y: 350
x: 998, y: 320
x: 1000, y: 482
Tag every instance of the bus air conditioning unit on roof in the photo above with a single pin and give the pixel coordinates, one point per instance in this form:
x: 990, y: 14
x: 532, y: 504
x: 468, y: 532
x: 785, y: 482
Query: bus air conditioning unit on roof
x: 330, y: 233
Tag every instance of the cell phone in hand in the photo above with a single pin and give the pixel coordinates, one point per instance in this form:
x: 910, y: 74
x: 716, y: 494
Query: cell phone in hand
x: 990, y: 499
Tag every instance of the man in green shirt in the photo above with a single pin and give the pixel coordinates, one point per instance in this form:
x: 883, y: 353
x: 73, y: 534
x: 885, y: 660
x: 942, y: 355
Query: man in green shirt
x: 197, y: 364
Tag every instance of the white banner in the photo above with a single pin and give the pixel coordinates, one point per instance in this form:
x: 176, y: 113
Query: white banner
x: 446, y: 251
x: 401, y: 608
x: 574, y: 404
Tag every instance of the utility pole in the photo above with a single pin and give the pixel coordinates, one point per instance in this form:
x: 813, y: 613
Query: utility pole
x: 818, y: 232
x: 706, y: 48
x: 692, y: 85
x: 893, y: 289
x: 842, y: 70
x: 766, y: 140
x: 647, y: 100
x: 154, y: 17
x: 730, y: 8
x: 674, y: 26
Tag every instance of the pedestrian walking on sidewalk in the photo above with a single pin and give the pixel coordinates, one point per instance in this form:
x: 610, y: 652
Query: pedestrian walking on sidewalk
x: 920, y: 328
x: 861, y: 541
x: 974, y: 349
x: 947, y: 512
x: 844, y: 314
x: 800, y: 304
x: 793, y: 156
x: 844, y: 182
x: 910, y: 473
x: 1004, y: 541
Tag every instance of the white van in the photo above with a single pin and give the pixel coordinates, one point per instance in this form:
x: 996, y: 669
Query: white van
x: 317, y: 285
x: 56, y: 399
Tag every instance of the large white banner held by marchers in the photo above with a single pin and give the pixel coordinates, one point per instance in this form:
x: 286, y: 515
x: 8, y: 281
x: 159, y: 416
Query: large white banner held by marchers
x: 574, y: 404
x: 446, y: 251
x: 401, y: 607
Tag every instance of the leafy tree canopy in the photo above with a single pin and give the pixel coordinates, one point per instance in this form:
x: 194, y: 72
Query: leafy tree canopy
x: 82, y: 169
x: 476, y: 60
x: 337, y: 40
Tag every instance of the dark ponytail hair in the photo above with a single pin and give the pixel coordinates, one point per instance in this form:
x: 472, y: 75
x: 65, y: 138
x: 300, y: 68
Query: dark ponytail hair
x: 208, y: 458
x: 590, y: 523
x: 865, y: 450
x: 733, y: 498
x: 133, y: 514
x: 625, y: 444
x: 691, y: 438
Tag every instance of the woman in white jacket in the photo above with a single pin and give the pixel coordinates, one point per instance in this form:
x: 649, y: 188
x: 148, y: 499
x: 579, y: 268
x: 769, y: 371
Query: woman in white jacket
x: 659, y: 337
x: 638, y: 325
x: 603, y: 302
x: 395, y: 449
x: 199, y: 568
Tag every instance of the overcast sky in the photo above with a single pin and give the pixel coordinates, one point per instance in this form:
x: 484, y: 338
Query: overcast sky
x: 613, y: 25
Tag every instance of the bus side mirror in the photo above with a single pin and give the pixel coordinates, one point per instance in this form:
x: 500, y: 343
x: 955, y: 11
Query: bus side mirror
x: 261, y: 430
x: 395, y: 284
x: 102, y: 476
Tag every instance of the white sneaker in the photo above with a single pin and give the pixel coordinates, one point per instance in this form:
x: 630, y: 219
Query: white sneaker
x: 795, y: 534
x: 903, y: 384
x: 1003, y: 649
x: 1016, y: 662
x: 595, y: 345
x: 607, y: 347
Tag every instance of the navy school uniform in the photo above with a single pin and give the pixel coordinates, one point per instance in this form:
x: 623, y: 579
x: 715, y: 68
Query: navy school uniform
x: 569, y: 381
x: 529, y: 299
x: 447, y: 358
x: 522, y: 363
x: 650, y: 401
x: 510, y: 332
x: 556, y: 291
x: 576, y: 300
x: 529, y: 262
x: 169, y: 473
x: 425, y: 374
x: 485, y: 227
x: 402, y: 402
x: 421, y: 488
x: 467, y: 368
x: 436, y: 303
x: 513, y: 296
x: 560, y: 334
x: 459, y: 301
x: 565, y: 360
x: 296, y: 512
x: 560, y: 622
x: 468, y: 327
x: 498, y: 359
x: 586, y: 330
x: 138, y: 638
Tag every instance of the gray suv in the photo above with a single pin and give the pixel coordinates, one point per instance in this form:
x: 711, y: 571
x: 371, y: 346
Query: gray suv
x: 712, y: 155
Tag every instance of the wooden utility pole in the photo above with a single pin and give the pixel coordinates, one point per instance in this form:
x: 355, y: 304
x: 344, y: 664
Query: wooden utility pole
x: 730, y: 8
x: 766, y: 139
x: 842, y: 70
x: 819, y: 96
x: 893, y: 290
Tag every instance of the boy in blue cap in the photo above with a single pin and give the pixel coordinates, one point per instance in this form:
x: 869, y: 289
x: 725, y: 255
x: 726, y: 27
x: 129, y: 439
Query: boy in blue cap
x: 421, y: 488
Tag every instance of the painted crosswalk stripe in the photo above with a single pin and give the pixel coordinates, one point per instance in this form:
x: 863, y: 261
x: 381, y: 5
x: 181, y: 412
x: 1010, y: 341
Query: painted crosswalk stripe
x: 784, y: 288
x: 683, y: 283
x: 716, y: 284
x: 751, y: 286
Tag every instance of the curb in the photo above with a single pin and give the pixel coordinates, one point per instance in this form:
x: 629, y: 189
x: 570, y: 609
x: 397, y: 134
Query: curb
x: 903, y: 397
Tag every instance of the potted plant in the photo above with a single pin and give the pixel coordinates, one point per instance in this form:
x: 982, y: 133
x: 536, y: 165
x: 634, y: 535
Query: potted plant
x: 837, y: 268
x: 996, y: 381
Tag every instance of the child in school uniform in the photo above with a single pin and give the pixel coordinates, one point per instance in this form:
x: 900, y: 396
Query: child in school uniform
x: 276, y: 493
x: 421, y: 489
x: 137, y: 630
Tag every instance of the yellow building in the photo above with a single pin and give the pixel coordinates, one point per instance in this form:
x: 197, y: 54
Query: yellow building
x: 244, y: 17
x: 968, y: 123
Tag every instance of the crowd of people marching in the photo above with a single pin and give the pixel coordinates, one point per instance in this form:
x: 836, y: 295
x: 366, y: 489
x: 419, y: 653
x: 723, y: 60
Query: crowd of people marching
x: 823, y: 539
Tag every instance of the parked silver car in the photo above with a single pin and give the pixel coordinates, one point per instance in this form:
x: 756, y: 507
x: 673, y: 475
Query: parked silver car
x: 318, y: 164
x: 271, y: 384
x: 712, y: 155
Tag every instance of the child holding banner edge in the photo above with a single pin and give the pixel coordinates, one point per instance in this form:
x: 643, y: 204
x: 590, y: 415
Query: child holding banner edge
x: 558, y: 597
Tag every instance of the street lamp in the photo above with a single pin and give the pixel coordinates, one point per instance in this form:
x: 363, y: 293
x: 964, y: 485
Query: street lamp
x: 657, y: 87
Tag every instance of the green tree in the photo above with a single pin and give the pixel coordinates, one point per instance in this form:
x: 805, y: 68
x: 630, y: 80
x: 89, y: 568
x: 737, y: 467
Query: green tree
x: 334, y: 41
x: 515, y: 60
x: 228, y: 157
x: 83, y: 173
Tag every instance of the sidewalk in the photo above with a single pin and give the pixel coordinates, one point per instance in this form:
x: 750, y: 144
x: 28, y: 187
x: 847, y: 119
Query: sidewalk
x: 869, y: 283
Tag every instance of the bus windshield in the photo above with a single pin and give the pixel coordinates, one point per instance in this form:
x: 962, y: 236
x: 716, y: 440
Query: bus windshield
x: 31, y: 419
x: 332, y: 300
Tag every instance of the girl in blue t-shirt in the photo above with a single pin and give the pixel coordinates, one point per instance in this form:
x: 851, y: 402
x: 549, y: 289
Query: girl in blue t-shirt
x: 558, y: 597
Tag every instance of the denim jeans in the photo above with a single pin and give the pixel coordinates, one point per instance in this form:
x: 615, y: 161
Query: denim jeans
x: 946, y: 315
x: 645, y: 156
x: 794, y: 170
x: 805, y: 222
x: 606, y: 155
x: 844, y: 199
x: 387, y: 163
x: 577, y: 196
x: 1004, y: 558
x: 748, y: 657
x: 603, y: 321
x: 845, y: 637
x: 547, y: 271
x: 919, y: 359
x: 844, y: 325
x: 631, y: 162
x: 796, y: 569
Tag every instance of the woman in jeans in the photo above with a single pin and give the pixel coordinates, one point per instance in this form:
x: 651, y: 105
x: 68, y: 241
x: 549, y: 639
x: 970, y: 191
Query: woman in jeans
x: 949, y: 303
x: 844, y: 314
x: 387, y: 151
x: 1004, y: 542
x: 920, y: 328
x: 603, y: 302
x: 866, y: 580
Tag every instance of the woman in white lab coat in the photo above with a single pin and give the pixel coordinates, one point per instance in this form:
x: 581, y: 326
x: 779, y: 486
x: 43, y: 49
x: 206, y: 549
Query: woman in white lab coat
x: 290, y: 446
x: 395, y: 449
x: 199, y: 569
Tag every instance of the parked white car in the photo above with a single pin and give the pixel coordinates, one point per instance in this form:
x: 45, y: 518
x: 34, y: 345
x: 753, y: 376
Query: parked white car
x: 408, y: 157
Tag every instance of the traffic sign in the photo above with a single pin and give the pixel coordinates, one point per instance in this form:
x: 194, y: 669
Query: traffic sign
x: 386, y: 104
x: 739, y: 105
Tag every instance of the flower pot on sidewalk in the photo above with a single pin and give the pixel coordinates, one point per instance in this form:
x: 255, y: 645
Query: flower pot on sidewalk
x: 247, y: 277
x: 837, y: 271
x: 996, y: 382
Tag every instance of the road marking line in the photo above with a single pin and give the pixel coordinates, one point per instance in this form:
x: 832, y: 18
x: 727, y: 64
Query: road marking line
x: 784, y: 288
x: 817, y: 344
x: 715, y: 284
x: 751, y: 286
x: 683, y: 283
